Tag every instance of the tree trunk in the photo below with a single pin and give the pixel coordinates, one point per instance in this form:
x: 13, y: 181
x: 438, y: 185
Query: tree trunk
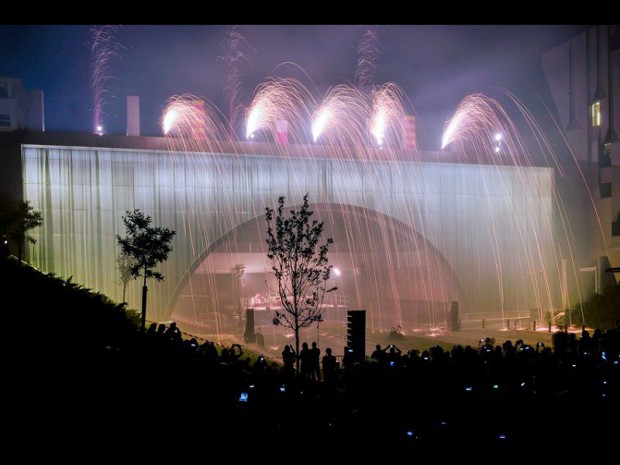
x: 124, y: 290
x: 144, y: 292
x: 296, y: 347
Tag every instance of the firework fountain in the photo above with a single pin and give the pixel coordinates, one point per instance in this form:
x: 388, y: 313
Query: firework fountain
x: 389, y: 267
x: 388, y: 115
x: 105, y: 48
x: 482, y: 130
x: 341, y: 118
x: 280, y: 100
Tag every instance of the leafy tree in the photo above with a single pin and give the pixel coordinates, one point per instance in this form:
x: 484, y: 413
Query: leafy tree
x: 16, y: 219
x: 300, y: 265
x: 599, y: 310
x: 147, y: 246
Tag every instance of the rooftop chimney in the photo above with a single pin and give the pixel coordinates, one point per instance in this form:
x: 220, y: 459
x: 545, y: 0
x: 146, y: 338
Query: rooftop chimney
x: 133, y: 115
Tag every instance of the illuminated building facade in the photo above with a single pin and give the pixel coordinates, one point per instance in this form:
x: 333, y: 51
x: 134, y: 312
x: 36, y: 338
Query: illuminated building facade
x: 584, y: 78
x: 411, y: 236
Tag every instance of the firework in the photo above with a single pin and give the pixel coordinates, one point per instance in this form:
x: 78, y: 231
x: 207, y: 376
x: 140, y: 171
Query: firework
x: 368, y: 52
x: 482, y: 121
x: 184, y: 116
x: 279, y: 100
x: 190, y: 117
x: 342, y: 117
x: 350, y: 125
x: 388, y: 113
x: 321, y: 120
x: 236, y: 57
x: 104, y: 49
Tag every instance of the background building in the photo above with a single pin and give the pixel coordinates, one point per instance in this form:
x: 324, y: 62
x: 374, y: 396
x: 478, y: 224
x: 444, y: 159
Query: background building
x: 584, y: 77
x: 20, y: 109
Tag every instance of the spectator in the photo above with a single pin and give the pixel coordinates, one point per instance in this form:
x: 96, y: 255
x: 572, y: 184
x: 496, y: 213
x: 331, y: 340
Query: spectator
x: 161, y: 331
x: 392, y: 357
x: 305, y: 357
x: 288, y: 358
x: 235, y: 352
x: 315, y: 358
x: 209, y: 351
x: 330, y: 367
x: 152, y: 331
x: 378, y: 354
x: 173, y: 333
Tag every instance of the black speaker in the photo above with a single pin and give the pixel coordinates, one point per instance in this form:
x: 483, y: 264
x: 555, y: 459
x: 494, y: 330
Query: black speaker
x: 453, y: 322
x: 356, y: 334
x: 250, y: 334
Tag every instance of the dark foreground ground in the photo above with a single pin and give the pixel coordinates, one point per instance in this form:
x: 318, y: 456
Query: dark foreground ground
x: 81, y: 383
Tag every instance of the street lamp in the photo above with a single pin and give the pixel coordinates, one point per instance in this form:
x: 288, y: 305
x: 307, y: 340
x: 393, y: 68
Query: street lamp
x: 237, y: 272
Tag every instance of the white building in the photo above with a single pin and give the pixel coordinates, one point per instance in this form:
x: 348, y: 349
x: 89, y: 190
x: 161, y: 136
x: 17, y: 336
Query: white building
x: 20, y: 109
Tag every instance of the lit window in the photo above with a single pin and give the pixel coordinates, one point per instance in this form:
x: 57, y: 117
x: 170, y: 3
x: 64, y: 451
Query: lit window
x: 595, y: 113
x: 5, y: 121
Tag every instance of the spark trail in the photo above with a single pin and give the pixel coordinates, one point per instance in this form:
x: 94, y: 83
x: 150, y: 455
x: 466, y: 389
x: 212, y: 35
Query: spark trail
x: 388, y: 114
x: 237, y: 55
x: 105, y: 48
x: 368, y: 52
x: 341, y: 118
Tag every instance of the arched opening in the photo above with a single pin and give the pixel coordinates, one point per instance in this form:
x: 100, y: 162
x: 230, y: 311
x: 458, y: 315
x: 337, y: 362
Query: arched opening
x: 380, y: 264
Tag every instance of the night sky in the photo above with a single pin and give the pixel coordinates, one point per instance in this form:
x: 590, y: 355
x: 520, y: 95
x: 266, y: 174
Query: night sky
x: 435, y: 65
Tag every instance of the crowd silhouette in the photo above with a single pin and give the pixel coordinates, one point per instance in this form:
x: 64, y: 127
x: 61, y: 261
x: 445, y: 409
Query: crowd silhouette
x: 492, y: 395
x: 89, y: 374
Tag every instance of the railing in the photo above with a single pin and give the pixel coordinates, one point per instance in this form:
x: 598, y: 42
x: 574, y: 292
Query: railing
x: 513, y: 320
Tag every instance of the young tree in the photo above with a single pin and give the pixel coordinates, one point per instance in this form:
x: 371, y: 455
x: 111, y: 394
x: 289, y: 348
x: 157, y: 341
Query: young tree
x: 300, y: 265
x: 16, y: 219
x: 124, y: 263
x: 147, y: 246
